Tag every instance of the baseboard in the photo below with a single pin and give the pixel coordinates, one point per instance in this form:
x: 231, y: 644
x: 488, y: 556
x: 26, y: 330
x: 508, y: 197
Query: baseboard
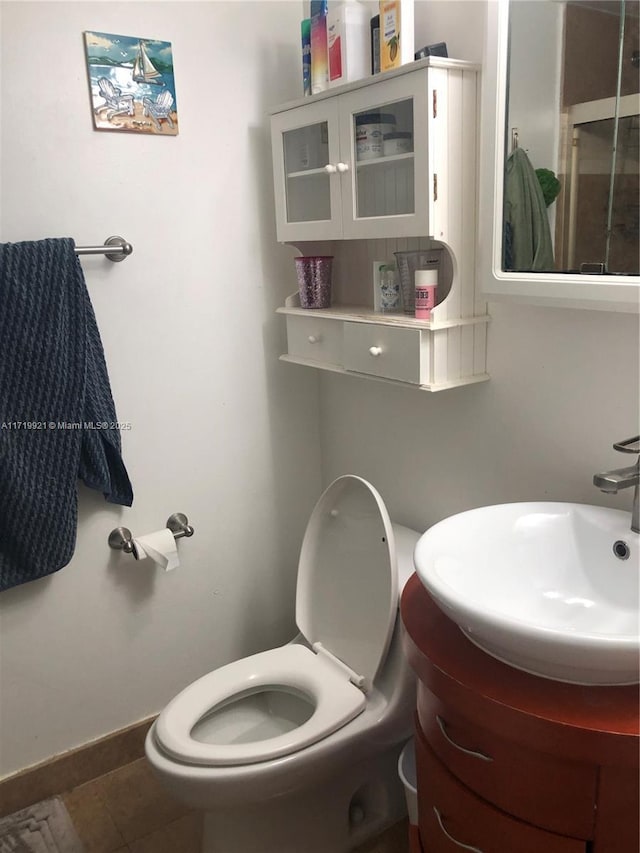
x: 70, y: 769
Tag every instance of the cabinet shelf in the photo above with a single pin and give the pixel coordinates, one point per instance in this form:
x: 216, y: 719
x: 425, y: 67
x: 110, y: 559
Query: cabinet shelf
x: 426, y: 386
x: 307, y: 173
x: 362, y: 314
x: 381, y: 161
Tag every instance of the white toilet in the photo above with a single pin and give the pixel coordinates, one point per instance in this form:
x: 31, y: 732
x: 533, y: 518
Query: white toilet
x: 295, y: 750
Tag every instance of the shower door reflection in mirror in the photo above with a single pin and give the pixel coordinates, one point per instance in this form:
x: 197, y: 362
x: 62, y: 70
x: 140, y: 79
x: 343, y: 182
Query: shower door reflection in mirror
x: 573, y: 114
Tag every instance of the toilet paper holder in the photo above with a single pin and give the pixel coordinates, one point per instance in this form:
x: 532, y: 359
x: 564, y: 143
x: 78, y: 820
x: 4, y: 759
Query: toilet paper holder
x: 121, y: 538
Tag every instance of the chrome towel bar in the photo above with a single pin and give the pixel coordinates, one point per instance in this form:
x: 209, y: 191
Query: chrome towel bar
x: 115, y: 248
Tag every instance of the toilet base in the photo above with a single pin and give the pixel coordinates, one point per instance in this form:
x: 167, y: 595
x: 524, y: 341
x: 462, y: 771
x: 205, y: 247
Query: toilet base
x: 336, y: 818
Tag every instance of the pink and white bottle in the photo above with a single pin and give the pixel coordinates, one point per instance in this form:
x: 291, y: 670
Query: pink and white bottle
x: 426, y: 282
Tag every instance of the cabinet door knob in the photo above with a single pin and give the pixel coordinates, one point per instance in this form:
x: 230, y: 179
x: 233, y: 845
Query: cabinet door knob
x: 375, y: 351
x: 451, y: 838
x: 342, y: 167
x: 330, y: 169
x: 457, y: 746
x: 314, y: 339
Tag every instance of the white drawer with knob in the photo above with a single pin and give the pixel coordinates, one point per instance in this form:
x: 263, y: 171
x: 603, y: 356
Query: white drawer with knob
x: 385, y: 351
x: 315, y: 338
x: 391, y: 347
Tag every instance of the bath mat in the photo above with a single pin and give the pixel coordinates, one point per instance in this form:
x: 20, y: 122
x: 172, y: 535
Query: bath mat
x: 42, y: 828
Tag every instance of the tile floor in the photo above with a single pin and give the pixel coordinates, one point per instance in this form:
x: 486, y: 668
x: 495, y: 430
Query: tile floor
x: 126, y: 811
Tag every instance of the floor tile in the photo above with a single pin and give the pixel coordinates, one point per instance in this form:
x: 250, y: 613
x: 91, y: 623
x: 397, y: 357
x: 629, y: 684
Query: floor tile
x: 72, y: 769
x: 184, y: 835
x: 136, y: 801
x: 92, y: 820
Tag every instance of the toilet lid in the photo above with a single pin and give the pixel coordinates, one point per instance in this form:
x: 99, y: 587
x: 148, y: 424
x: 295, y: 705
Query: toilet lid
x: 347, y: 593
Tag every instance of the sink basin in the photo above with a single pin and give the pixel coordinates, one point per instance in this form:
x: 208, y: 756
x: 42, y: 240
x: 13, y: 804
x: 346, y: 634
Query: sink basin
x: 549, y: 588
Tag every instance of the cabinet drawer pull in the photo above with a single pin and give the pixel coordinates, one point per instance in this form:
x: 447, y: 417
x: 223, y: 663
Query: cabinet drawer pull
x: 451, y: 838
x: 343, y: 167
x: 330, y: 169
x: 375, y: 351
x: 314, y: 339
x: 457, y: 746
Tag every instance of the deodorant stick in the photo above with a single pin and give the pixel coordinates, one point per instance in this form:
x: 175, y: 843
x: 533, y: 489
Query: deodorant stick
x: 426, y: 282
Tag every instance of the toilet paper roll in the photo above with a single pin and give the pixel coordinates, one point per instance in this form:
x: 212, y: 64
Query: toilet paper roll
x: 160, y: 547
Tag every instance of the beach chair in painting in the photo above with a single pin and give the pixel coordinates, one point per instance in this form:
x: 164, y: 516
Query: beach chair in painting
x: 116, y: 103
x: 159, y: 109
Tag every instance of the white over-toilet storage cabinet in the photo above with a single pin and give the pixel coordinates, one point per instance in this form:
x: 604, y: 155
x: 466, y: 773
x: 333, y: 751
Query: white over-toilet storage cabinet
x: 360, y: 211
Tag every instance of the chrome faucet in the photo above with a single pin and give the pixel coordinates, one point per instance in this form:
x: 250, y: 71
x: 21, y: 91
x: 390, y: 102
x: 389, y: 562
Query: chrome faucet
x: 613, y: 482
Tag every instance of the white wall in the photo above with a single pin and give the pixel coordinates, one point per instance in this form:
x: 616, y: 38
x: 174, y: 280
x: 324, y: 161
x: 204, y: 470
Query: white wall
x: 535, y: 72
x: 220, y: 429
x: 459, y: 23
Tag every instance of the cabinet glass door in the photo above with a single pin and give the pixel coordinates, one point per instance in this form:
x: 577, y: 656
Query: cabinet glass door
x: 305, y: 144
x: 385, y: 139
x: 384, y: 160
x: 306, y: 153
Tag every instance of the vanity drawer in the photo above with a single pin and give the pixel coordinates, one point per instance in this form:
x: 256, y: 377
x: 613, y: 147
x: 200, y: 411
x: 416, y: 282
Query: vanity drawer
x: 451, y: 816
x: 385, y: 351
x: 315, y: 339
x: 553, y: 793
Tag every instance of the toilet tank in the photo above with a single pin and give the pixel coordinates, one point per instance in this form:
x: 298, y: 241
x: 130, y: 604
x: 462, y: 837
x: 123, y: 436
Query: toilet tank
x: 406, y: 540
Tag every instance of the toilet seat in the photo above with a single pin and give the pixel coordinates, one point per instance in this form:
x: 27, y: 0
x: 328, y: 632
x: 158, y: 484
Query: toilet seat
x: 346, y: 609
x: 293, y: 668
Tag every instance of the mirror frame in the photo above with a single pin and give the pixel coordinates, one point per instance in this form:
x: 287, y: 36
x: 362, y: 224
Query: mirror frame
x: 598, y: 292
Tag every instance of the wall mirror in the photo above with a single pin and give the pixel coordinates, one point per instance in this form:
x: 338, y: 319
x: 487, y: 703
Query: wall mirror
x: 560, y: 153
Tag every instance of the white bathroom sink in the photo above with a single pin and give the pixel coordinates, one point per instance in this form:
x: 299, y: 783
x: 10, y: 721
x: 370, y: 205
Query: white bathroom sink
x: 540, y: 587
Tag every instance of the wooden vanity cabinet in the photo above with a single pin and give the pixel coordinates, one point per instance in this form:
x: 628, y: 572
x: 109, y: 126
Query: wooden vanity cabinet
x: 508, y: 762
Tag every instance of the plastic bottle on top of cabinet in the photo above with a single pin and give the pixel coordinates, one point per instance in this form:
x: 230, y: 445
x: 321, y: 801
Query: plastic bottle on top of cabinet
x: 319, y: 54
x: 348, y: 42
x: 305, y: 37
x: 375, y: 44
x: 396, y: 33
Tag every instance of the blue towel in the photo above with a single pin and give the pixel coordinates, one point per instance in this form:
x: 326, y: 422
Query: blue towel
x: 57, y: 416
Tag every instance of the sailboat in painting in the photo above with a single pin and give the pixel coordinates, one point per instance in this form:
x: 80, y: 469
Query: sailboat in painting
x: 144, y: 71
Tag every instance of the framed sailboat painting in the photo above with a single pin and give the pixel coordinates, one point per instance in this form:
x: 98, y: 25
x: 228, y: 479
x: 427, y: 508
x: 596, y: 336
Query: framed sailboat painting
x: 132, y: 84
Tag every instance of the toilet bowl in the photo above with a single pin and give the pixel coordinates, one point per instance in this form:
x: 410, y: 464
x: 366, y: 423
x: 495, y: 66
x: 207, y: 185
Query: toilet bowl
x: 295, y: 749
